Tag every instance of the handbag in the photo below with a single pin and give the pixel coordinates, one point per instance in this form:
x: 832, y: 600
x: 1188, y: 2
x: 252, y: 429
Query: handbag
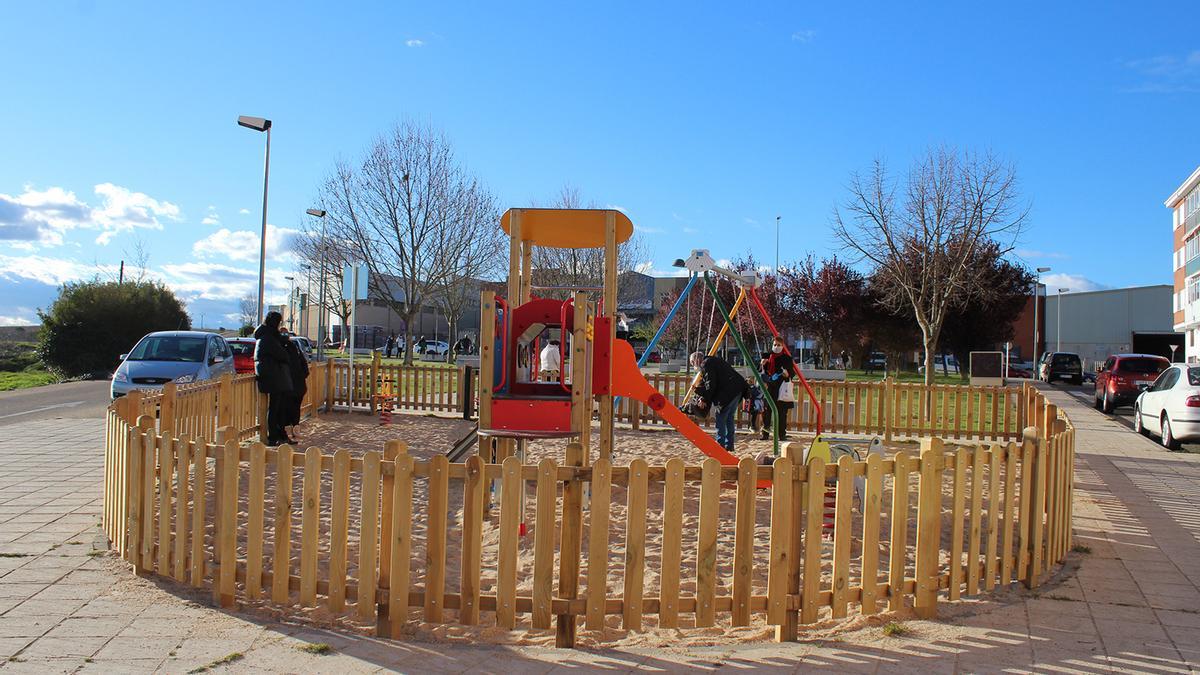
x: 787, y: 394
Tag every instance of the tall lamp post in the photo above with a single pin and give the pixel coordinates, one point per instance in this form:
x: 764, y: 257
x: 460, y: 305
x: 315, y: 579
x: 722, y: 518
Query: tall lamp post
x: 1058, y: 328
x: 1036, y: 292
x: 777, y: 244
x: 319, y: 213
x: 260, y: 124
x: 291, y: 303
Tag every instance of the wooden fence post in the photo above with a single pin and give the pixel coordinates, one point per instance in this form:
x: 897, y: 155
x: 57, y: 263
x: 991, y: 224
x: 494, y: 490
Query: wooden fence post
x: 166, y: 411
x: 1032, y: 506
x: 571, y: 541
x: 134, y: 407
x: 888, y: 406
x: 330, y: 382
x: 225, y: 401
x: 391, y: 450
x: 227, y: 537
x: 929, y: 521
x: 466, y: 393
x: 375, y: 357
x: 788, y: 630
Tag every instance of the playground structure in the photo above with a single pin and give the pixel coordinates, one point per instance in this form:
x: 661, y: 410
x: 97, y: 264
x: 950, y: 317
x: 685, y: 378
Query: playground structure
x: 515, y: 407
x: 389, y: 539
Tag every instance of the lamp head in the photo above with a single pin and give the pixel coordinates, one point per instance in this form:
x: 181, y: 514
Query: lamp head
x: 255, y: 123
x: 1043, y: 269
x: 679, y: 262
x: 319, y: 213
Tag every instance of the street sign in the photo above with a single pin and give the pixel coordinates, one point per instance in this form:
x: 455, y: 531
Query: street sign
x: 354, y: 283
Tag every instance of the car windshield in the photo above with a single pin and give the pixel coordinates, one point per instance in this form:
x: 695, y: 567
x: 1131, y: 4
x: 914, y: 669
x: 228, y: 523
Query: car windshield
x: 1142, y: 366
x: 1065, y: 359
x: 242, y: 348
x: 1194, y: 376
x: 169, y: 348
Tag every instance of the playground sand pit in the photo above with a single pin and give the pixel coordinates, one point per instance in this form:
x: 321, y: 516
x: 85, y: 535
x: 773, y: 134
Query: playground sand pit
x: 427, y: 436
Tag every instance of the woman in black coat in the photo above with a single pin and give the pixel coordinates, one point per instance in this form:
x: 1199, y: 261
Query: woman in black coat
x: 274, y: 375
x: 298, y: 366
x: 776, y: 368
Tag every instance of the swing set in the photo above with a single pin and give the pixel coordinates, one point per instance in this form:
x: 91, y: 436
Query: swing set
x: 701, y: 267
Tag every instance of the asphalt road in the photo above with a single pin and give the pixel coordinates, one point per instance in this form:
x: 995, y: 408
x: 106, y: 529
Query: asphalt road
x: 1085, y: 394
x: 71, y: 399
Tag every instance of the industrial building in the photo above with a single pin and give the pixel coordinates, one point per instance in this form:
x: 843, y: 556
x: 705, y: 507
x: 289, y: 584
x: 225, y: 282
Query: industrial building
x: 1096, y: 324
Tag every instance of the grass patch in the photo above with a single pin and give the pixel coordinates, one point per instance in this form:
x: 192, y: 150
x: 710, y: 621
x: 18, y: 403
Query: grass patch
x: 319, y: 648
x: 907, y: 376
x: 223, y: 661
x: 895, y: 629
x: 93, y: 554
x: 1062, y: 598
x: 1081, y: 548
x: 25, y: 379
x: 16, y: 555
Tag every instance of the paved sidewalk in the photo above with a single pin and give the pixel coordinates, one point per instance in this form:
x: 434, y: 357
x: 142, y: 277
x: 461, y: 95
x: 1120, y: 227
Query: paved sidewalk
x: 1131, y: 604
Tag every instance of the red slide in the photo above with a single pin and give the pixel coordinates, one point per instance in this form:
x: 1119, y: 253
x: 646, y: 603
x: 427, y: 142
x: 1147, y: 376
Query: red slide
x: 627, y: 380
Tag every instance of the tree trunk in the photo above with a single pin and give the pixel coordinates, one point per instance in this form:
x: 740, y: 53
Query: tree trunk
x: 408, y: 338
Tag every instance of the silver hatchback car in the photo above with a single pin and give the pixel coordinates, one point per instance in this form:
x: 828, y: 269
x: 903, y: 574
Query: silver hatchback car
x: 182, y: 356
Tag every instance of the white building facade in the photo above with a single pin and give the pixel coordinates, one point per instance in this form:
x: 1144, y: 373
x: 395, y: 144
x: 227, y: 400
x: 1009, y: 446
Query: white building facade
x: 1185, y: 262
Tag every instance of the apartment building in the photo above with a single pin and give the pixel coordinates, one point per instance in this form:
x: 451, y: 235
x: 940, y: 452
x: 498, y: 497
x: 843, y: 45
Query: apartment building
x: 1185, y: 218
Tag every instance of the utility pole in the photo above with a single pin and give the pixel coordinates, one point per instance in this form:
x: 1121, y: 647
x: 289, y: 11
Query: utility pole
x: 777, y: 244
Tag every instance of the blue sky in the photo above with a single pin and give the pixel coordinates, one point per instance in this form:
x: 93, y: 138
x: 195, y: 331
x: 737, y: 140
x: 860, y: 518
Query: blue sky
x: 702, y: 121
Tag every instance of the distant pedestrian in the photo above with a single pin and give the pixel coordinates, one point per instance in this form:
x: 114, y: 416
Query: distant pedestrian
x: 422, y: 345
x: 298, y: 367
x: 389, y: 347
x: 721, y: 388
x: 272, y: 370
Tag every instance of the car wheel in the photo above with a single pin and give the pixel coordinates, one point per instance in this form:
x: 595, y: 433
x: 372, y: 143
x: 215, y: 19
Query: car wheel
x: 1168, y: 439
x: 1137, y: 421
x: 1106, y: 406
x: 1077, y: 381
x: 1096, y: 401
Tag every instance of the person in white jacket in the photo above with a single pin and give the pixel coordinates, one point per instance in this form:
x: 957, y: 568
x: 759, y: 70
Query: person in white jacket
x: 549, y: 362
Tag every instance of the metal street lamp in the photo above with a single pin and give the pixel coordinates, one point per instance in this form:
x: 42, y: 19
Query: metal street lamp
x: 1058, y: 328
x: 260, y: 124
x: 1036, y: 286
x: 291, y: 302
x: 320, y: 213
x: 777, y: 243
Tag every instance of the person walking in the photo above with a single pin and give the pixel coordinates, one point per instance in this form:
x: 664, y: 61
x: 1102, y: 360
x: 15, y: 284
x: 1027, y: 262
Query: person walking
x: 272, y: 370
x: 422, y: 345
x: 721, y: 388
x: 298, y: 368
x: 549, y: 362
x: 777, y: 368
x: 389, y: 346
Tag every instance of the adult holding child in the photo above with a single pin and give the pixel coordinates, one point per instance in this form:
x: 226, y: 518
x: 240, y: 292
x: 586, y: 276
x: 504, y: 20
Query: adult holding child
x: 722, y: 388
x: 778, y: 370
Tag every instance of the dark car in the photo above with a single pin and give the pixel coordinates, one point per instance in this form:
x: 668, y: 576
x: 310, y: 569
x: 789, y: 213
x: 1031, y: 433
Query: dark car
x: 1122, y: 377
x: 1061, y: 366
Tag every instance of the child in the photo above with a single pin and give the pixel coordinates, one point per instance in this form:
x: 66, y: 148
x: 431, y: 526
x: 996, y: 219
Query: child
x: 754, y: 404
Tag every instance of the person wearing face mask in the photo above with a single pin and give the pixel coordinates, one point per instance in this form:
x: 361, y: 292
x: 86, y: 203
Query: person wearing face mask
x: 777, y: 368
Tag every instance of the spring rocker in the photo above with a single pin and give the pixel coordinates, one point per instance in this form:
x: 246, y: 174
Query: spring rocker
x: 515, y: 407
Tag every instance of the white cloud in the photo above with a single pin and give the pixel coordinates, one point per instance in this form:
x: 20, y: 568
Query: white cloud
x: 19, y: 321
x: 650, y: 230
x: 47, y: 270
x: 210, y: 220
x: 217, y: 281
x: 45, y: 216
x: 244, y: 212
x: 1077, y: 283
x: 242, y: 245
x: 688, y: 230
x: 750, y: 221
x: 805, y: 35
x: 414, y: 43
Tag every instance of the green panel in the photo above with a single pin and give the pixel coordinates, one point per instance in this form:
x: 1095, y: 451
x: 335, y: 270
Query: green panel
x: 1192, y: 267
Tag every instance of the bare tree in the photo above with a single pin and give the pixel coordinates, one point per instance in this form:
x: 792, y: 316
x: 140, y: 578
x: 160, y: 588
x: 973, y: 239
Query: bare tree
x: 922, y: 235
x: 312, y: 248
x: 575, y: 267
x: 247, y: 311
x: 477, y: 251
x: 402, y: 210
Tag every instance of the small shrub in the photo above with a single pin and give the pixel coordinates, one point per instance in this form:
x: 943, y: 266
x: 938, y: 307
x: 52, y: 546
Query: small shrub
x: 895, y: 629
x: 1081, y: 548
x: 224, y: 660
x: 319, y: 648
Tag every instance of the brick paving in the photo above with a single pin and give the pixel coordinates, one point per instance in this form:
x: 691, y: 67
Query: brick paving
x: 1131, y: 604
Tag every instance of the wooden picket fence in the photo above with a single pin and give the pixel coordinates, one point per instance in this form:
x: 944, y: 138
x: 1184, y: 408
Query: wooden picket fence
x: 417, y: 387
x: 387, y: 539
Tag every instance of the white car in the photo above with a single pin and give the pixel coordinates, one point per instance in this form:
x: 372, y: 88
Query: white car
x: 1170, y: 408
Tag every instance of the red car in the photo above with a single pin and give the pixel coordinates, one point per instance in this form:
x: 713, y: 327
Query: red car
x: 243, y: 354
x: 1122, y: 377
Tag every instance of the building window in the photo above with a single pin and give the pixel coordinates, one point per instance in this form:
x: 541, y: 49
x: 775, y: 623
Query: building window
x: 1192, y: 247
x: 1192, y: 202
x: 1193, y: 289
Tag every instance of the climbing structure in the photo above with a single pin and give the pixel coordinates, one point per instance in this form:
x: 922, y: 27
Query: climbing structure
x: 515, y: 404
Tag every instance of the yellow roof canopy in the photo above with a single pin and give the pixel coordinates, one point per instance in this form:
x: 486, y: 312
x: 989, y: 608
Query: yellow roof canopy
x: 567, y: 228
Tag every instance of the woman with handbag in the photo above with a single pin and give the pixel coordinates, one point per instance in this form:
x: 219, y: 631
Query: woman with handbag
x: 778, y: 369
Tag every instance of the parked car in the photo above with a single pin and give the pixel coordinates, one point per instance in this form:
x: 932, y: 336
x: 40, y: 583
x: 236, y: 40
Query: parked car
x: 875, y: 361
x: 1170, y: 408
x: 942, y: 363
x: 306, y: 346
x: 1122, y: 377
x: 1061, y: 366
x: 435, y: 348
x: 243, y: 354
x: 1016, y: 370
x: 182, y: 356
